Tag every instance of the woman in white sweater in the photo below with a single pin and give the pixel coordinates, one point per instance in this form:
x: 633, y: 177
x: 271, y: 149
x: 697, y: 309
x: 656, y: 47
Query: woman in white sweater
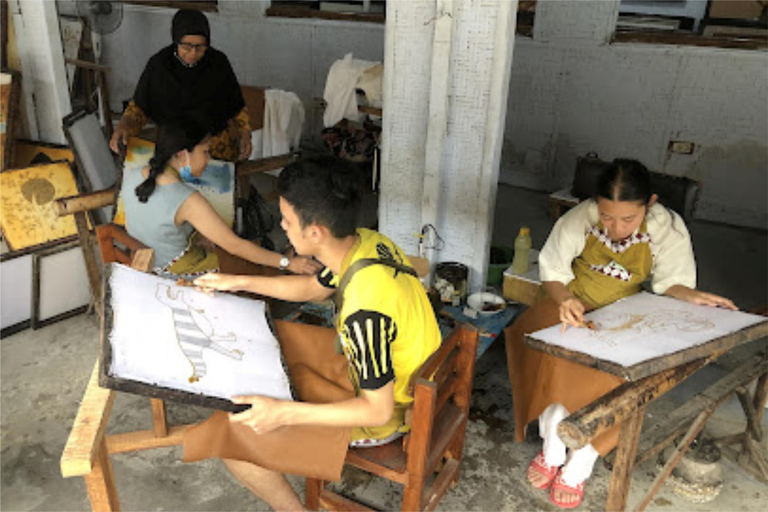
x: 600, y: 251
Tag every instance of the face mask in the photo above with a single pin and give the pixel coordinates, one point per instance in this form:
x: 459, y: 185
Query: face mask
x: 186, y: 174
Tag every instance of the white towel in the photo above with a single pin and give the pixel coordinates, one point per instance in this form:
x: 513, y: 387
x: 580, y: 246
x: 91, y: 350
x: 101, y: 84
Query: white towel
x: 283, y: 121
x: 340, y: 88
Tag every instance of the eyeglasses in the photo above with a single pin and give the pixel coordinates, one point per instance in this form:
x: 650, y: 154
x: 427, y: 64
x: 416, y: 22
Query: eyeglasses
x: 190, y: 46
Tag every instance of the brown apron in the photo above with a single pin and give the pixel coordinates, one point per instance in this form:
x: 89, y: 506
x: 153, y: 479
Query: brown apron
x: 318, y: 375
x: 604, y: 273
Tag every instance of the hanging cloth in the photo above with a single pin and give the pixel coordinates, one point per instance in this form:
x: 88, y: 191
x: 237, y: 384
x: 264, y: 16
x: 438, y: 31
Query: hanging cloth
x: 340, y: 95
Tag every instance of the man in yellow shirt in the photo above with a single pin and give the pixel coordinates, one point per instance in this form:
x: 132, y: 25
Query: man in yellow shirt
x: 385, y: 322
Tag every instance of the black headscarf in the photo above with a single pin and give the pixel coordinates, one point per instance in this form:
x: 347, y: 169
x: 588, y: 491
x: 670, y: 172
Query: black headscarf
x: 208, y: 92
x: 188, y: 22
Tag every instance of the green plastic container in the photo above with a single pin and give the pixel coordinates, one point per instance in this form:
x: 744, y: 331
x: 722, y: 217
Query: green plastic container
x: 501, y: 259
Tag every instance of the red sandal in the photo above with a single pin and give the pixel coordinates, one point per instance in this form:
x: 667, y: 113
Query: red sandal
x: 539, y: 465
x: 559, y: 485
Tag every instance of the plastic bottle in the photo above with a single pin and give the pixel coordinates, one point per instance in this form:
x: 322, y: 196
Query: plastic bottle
x: 522, y: 251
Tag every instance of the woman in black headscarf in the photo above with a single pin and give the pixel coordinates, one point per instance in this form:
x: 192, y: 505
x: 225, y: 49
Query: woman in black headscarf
x: 190, y: 78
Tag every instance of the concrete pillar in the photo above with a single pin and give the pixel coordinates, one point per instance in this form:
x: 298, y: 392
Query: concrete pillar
x: 44, y: 78
x: 446, y: 80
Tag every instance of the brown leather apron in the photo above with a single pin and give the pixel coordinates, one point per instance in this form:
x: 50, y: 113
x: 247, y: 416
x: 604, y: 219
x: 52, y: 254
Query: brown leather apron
x: 318, y: 375
x: 604, y: 273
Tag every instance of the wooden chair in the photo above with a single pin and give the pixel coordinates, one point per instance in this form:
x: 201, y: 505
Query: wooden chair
x: 427, y: 460
x: 88, y: 447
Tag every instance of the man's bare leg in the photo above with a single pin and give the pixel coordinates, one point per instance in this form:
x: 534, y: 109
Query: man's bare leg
x: 268, y: 485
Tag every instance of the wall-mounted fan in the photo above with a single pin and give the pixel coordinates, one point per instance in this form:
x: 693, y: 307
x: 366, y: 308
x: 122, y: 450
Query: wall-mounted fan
x: 102, y: 16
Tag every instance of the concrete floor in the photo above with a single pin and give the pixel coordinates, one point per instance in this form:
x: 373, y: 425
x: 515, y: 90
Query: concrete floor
x: 43, y: 374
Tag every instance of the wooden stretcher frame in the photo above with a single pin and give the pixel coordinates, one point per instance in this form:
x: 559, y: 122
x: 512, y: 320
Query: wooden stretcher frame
x: 108, y: 379
x: 25, y: 147
x: 650, y: 366
x: 37, y: 321
x: 65, y: 180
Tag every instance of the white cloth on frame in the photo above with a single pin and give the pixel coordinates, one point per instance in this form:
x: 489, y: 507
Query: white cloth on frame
x: 340, y: 95
x: 673, y: 261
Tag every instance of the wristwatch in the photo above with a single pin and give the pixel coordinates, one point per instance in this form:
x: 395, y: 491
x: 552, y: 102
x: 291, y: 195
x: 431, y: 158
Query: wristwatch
x: 284, y: 262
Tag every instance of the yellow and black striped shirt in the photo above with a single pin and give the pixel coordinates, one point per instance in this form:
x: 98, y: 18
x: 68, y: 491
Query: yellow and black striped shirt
x: 386, y: 323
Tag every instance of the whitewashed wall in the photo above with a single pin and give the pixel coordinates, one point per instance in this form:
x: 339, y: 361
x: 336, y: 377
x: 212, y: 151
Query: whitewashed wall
x: 572, y: 92
x: 282, y: 53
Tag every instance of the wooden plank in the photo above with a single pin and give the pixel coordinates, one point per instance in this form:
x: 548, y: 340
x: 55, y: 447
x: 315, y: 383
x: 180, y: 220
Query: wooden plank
x: 689, y: 39
x: 332, y: 501
x: 435, y: 492
x: 658, y: 364
x: 89, y: 257
x: 88, y: 429
x: 447, y: 424
x: 355, y: 458
x: 621, y: 476
x: 248, y: 167
x: 86, y: 64
x: 145, y: 440
x: 143, y: 259
x: 306, y: 12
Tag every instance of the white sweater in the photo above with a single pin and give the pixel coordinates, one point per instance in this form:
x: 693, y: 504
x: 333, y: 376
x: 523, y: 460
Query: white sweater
x: 673, y: 261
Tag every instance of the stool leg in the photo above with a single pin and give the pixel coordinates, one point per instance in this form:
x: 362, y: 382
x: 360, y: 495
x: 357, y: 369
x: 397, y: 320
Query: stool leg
x: 621, y: 476
x: 159, y: 417
x: 100, y: 483
x: 313, y: 488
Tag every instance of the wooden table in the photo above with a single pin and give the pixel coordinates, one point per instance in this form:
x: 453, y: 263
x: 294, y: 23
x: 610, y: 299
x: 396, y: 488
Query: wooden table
x: 626, y: 404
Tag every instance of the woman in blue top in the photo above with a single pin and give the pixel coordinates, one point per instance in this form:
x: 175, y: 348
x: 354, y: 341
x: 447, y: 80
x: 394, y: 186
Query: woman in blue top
x: 174, y: 219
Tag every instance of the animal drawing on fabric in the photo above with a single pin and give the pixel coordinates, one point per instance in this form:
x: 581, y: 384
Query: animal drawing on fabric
x: 626, y: 326
x: 194, y: 331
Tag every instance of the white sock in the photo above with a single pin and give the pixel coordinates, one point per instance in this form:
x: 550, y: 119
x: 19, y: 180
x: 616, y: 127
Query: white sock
x: 554, y: 449
x: 579, y: 466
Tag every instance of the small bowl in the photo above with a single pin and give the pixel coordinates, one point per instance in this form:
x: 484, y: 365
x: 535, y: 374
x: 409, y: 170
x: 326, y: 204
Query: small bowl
x: 486, y: 303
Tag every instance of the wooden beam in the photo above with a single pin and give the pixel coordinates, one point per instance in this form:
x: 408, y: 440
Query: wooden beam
x: 86, y: 65
x: 657, y: 436
x: 689, y: 39
x: 85, y: 202
x: 248, y: 167
x: 89, y: 257
x: 83, y: 443
x: 676, y: 456
x: 578, y: 429
x: 145, y: 440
